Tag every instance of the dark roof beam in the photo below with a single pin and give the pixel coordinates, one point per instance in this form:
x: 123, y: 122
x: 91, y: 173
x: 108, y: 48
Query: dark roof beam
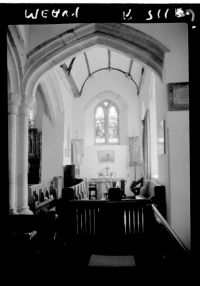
x: 87, y: 64
x: 141, y: 79
x: 109, y: 59
x: 69, y: 77
x: 130, y: 66
x: 113, y: 69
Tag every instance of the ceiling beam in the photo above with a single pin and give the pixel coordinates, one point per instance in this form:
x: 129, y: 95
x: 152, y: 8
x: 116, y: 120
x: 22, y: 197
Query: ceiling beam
x: 130, y: 66
x: 71, y: 81
x: 112, y: 69
x: 141, y: 79
x: 109, y: 59
x: 87, y: 64
x: 70, y: 65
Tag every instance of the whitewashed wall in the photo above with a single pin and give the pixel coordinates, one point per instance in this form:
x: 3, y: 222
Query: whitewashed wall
x: 113, y: 86
x: 175, y: 37
x: 173, y: 167
x: 52, y: 154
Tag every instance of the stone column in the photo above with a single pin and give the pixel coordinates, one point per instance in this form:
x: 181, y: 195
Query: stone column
x: 22, y: 160
x: 12, y: 126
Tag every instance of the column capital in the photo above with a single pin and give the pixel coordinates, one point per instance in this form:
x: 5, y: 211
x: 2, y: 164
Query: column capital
x: 14, y: 97
x: 13, y: 103
x: 25, y: 109
x: 13, y: 108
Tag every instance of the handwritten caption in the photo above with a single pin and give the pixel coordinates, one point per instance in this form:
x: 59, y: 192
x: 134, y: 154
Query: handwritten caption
x: 128, y: 15
x: 54, y: 13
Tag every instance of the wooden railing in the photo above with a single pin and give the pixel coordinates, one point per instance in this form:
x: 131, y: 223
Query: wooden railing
x: 132, y: 224
x: 172, y: 246
x: 127, y: 218
x: 162, y: 221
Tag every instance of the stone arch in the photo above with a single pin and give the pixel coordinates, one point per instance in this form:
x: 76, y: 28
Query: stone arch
x: 107, y: 94
x: 18, y: 47
x: 114, y: 35
x: 13, y: 75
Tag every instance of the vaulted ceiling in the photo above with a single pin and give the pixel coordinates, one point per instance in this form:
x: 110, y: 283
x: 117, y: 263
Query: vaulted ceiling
x: 86, y: 50
x: 82, y: 67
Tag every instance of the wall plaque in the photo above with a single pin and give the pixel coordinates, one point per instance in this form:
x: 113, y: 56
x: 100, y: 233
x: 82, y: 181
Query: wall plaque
x: 178, y: 96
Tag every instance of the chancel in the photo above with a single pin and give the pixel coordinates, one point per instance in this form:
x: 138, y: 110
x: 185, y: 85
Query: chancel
x: 98, y: 163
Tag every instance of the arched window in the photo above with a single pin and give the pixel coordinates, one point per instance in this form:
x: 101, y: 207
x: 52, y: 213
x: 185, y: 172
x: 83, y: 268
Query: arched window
x: 100, y: 125
x: 106, y: 123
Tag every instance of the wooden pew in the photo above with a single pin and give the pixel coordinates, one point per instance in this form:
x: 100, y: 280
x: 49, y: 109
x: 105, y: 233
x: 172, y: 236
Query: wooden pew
x: 93, y: 221
x: 121, y: 227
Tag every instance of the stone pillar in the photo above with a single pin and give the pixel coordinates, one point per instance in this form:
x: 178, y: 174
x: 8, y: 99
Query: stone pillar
x: 12, y: 126
x: 22, y: 160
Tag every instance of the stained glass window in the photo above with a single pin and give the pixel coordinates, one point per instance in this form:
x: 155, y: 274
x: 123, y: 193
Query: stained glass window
x: 100, y: 125
x: 113, y: 125
x: 106, y: 103
x: 106, y: 123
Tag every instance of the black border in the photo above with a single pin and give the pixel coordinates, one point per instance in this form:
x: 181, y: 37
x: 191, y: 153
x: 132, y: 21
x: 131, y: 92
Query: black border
x: 14, y: 14
x: 98, y: 12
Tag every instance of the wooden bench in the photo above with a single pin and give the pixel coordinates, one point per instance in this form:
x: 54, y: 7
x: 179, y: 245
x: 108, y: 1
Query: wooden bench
x: 157, y: 192
x: 127, y: 227
x: 104, y: 224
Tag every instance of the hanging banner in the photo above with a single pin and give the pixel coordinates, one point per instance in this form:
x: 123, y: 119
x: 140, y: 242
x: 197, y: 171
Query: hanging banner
x: 134, y: 150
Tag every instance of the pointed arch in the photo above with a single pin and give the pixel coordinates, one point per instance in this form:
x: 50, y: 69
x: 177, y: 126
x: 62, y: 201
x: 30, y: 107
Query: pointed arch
x: 15, y: 40
x: 108, y: 94
x: 13, y: 73
x: 113, y: 35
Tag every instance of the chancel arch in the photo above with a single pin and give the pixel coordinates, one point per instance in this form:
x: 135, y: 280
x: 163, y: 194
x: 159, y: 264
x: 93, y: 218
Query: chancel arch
x: 32, y: 71
x: 116, y: 36
x: 14, y: 99
x: 54, y: 52
x: 13, y: 72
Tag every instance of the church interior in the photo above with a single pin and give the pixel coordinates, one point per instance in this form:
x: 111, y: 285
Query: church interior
x: 98, y: 144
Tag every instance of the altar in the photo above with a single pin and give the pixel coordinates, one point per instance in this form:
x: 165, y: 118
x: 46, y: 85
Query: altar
x: 103, y: 184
